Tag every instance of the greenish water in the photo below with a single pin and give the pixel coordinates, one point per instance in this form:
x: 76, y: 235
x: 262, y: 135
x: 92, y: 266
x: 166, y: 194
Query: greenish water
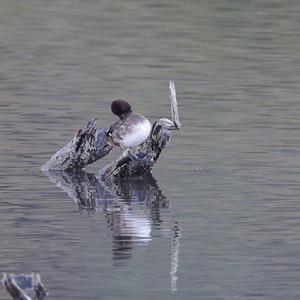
x: 226, y: 217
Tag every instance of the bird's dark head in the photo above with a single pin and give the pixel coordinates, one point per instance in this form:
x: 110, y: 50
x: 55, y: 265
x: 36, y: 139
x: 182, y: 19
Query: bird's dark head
x: 120, y: 108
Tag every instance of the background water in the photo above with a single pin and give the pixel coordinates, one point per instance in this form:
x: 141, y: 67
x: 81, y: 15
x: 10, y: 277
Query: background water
x: 230, y: 224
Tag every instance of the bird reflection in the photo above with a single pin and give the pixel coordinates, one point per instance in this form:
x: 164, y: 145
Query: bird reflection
x: 132, y: 206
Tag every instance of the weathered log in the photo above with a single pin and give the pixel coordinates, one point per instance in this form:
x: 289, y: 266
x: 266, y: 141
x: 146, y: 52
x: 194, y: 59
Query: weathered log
x: 87, y: 146
x: 91, y: 144
x: 16, y: 285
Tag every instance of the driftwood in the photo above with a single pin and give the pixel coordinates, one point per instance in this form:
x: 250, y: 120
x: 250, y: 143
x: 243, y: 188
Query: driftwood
x: 16, y: 285
x: 87, y: 146
x: 90, y: 144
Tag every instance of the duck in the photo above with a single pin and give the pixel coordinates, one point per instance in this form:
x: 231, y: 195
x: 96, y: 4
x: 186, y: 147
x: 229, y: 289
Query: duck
x: 131, y: 129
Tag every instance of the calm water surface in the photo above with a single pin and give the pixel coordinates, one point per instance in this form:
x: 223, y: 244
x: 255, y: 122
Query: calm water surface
x: 221, y: 217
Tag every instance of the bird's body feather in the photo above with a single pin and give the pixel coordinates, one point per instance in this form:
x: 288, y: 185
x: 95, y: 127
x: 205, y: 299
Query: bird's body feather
x: 131, y: 131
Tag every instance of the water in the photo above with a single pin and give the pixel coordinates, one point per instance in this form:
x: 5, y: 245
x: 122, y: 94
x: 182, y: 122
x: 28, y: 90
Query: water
x: 222, y: 219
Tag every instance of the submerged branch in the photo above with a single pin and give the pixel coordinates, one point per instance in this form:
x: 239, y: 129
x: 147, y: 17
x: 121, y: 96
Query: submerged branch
x: 16, y: 285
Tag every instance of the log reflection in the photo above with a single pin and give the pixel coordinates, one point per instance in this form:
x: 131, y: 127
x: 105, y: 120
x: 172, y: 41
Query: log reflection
x: 131, y: 205
x: 175, y: 244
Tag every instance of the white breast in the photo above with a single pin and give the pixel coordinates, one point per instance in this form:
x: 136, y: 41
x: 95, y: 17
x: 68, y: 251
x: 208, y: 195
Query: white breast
x: 138, y: 133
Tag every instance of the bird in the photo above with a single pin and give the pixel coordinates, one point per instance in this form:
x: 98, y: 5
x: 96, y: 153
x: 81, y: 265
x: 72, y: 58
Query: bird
x: 131, y: 129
